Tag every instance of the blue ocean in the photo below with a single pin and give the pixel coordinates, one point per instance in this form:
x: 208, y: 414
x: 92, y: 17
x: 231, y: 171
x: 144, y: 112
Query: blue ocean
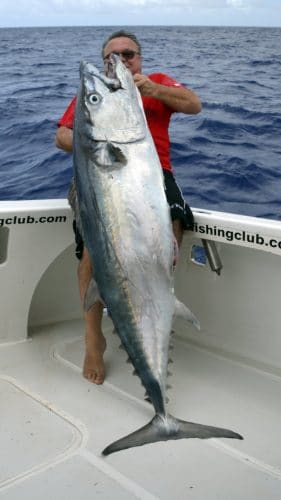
x: 226, y: 158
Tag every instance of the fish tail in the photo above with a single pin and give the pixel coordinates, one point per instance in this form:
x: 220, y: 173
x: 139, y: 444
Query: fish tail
x: 163, y: 428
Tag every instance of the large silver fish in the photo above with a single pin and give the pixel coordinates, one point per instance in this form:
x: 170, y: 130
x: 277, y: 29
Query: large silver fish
x: 125, y: 220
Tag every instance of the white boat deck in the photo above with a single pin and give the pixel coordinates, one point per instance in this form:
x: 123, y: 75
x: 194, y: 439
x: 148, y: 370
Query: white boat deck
x: 54, y: 425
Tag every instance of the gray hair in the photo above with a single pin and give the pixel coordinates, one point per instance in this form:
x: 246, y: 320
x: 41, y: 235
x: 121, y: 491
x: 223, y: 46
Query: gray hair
x: 118, y: 34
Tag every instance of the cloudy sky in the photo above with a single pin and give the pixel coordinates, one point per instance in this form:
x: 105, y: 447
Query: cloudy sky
x: 139, y: 12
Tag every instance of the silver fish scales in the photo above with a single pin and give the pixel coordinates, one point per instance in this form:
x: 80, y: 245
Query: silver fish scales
x: 126, y: 226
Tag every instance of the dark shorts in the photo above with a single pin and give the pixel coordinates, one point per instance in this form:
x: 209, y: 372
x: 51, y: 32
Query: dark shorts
x: 179, y: 210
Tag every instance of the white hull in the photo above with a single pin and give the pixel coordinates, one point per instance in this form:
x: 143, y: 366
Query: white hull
x: 54, y: 423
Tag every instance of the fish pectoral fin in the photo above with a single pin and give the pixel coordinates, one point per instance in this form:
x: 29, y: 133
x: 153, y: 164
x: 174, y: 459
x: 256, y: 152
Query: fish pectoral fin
x: 164, y: 428
x: 182, y: 311
x: 108, y: 156
x: 91, y: 296
x: 117, y: 153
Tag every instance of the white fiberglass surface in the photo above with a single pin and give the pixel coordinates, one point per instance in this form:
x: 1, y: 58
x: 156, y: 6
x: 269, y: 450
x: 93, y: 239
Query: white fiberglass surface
x: 55, y: 424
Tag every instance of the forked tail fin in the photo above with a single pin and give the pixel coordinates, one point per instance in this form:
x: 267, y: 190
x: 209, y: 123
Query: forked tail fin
x: 163, y: 428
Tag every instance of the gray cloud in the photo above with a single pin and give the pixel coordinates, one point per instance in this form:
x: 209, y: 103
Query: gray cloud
x: 109, y: 12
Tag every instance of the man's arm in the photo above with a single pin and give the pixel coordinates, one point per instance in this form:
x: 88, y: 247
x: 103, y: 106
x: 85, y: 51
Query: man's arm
x: 179, y: 99
x: 64, y: 139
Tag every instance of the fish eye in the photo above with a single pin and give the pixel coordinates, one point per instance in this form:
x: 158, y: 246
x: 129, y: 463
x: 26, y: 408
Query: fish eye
x: 94, y: 98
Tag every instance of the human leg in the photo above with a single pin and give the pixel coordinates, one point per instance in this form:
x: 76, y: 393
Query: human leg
x: 95, y: 343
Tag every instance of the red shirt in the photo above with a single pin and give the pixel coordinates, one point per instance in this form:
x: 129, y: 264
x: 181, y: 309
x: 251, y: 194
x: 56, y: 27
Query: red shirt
x: 157, y: 114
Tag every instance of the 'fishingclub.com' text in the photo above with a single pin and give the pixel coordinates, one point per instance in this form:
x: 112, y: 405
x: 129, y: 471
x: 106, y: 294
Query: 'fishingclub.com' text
x: 29, y: 219
x: 242, y: 236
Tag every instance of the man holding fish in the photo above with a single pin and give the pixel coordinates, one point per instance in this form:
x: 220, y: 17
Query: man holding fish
x: 161, y: 96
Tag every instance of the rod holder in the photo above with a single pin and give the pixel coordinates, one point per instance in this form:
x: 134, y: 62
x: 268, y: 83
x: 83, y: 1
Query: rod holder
x: 213, y: 256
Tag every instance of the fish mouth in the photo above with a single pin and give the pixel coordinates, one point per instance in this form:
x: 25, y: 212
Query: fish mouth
x: 111, y: 78
x: 111, y: 104
x: 110, y: 67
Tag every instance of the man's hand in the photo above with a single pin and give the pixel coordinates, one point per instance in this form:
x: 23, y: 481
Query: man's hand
x: 179, y: 99
x: 146, y: 86
x: 64, y: 139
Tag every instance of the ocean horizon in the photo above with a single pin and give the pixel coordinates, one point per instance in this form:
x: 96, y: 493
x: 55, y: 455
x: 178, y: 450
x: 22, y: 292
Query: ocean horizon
x: 226, y: 158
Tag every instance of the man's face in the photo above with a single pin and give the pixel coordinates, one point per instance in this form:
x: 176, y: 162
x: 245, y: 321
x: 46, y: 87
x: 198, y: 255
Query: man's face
x: 129, y: 48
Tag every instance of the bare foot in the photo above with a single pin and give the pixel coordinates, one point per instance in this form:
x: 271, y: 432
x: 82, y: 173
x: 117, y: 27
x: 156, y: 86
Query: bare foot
x: 94, y: 368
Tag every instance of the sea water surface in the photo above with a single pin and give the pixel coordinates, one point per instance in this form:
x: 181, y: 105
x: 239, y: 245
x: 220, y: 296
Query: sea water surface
x: 226, y: 158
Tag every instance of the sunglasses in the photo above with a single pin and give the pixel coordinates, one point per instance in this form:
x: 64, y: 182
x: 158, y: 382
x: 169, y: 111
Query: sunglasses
x: 127, y: 54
